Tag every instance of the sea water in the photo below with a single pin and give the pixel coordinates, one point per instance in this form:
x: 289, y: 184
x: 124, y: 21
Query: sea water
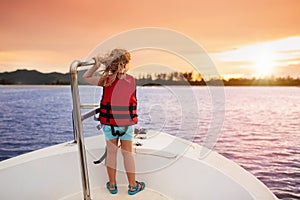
x: 260, y: 125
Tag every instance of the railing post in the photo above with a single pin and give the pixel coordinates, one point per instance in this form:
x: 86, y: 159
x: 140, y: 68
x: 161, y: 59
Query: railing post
x: 78, y: 125
x: 74, y: 128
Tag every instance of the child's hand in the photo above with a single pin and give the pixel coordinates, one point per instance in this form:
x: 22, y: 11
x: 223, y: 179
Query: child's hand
x: 99, y: 59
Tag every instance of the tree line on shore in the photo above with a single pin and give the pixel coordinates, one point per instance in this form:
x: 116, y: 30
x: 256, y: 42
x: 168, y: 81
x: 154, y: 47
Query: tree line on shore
x: 191, y: 78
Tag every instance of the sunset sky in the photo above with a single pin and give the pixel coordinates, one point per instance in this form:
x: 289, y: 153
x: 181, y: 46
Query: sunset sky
x: 244, y: 38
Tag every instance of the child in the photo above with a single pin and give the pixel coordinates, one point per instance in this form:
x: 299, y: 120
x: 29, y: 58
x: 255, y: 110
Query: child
x: 117, y: 113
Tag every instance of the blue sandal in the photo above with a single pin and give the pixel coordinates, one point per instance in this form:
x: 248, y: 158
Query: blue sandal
x: 135, y: 189
x: 109, y: 186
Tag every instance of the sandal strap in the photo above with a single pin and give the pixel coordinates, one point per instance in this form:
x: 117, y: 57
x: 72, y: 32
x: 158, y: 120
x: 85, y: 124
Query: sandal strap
x: 138, y: 186
x: 111, y: 185
x: 132, y: 187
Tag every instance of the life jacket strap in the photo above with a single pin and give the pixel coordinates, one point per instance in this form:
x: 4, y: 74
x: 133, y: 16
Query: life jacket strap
x: 107, y: 106
x: 108, y: 115
x: 118, y: 116
x: 118, y: 133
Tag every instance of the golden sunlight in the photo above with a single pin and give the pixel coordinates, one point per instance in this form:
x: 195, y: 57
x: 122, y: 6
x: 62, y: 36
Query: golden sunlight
x: 264, y: 64
x: 261, y: 59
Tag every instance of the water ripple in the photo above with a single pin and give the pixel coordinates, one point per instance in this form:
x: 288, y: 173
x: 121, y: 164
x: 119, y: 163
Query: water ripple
x: 260, y: 131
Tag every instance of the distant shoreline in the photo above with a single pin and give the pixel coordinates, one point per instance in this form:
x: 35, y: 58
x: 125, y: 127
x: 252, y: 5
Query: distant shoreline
x: 67, y: 85
x: 33, y: 77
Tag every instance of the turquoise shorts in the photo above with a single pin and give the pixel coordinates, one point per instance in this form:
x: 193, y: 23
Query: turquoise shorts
x: 127, y: 136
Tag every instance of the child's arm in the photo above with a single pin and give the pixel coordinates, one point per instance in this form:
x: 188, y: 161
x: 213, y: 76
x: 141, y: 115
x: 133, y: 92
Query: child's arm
x: 89, y: 77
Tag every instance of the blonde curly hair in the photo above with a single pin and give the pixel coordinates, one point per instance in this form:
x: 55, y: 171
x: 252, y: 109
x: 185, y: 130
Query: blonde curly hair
x: 115, y: 65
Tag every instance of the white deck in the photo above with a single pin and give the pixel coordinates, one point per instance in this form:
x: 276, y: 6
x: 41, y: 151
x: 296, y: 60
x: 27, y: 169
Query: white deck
x: 172, y: 168
x: 102, y: 194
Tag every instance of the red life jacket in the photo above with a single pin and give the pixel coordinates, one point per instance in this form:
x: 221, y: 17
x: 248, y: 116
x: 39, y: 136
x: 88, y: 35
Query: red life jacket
x: 119, y: 105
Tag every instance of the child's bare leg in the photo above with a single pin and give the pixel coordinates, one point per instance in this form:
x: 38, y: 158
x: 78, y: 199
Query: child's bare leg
x: 129, y: 164
x: 111, y: 159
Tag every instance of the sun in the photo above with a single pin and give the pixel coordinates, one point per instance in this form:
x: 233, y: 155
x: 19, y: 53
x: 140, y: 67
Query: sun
x: 264, y: 64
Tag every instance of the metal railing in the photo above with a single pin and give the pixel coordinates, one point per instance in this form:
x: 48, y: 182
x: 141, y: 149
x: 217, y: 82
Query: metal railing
x: 78, y: 130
